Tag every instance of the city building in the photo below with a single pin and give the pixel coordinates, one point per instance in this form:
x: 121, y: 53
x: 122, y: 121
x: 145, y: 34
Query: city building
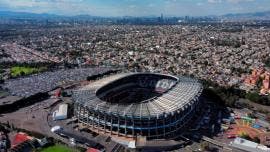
x: 61, y: 113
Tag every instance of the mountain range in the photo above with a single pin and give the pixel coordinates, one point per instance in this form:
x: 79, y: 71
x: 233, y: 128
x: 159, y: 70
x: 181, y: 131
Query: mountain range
x: 25, y: 15
x: 249, y: 16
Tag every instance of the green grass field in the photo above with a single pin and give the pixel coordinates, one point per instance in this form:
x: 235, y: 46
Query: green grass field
x: 3, y: 93
x: 20, y: 70
x: 58, y: 148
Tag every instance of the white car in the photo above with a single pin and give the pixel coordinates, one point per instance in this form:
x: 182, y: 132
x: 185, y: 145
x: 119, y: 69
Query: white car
x: 56, y: 128
x: 72, y: 141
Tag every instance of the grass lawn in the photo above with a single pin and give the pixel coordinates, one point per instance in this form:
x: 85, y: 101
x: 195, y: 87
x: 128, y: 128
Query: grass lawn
x: 21, y: 70
x: 3, y: 93
x: 58, y: 148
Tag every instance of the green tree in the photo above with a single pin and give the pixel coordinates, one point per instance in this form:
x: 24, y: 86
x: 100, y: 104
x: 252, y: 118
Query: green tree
x: 252, y: 115
x: 253, y: 96
x: 1, y: 79
x: 267, y: 62
x: 256, y: 140
x: 204, y: 146
x: 259, y: 82
x: 245, y: 136
x: 22, y: 73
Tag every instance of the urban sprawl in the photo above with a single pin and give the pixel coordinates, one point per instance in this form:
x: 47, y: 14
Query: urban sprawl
x: 199, y: 86
x: 218, y: 53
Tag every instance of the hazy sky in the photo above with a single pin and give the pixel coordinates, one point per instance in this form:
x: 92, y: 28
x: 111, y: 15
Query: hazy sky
x: 136, y: 7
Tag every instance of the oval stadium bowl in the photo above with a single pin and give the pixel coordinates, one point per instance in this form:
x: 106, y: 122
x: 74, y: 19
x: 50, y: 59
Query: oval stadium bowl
x: 145, y: 104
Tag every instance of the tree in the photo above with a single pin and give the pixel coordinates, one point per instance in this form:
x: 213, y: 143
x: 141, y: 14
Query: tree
x: 259, y: 82
x: 12, y: 126
x: 64, y: 94
x: 204, y: 145
x: 245, y: 136
x: 22, y: 73
x: 253, y: 96
x: 1, y: 70
x: 264, y: 100
x: 252, y: 115
x: 8, y: 125
x: 1, y: 79
x: 256, y: 140
x: 267, y: 62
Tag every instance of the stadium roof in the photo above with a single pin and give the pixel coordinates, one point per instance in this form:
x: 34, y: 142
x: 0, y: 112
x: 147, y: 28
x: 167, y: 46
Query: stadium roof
x: 183, y: 93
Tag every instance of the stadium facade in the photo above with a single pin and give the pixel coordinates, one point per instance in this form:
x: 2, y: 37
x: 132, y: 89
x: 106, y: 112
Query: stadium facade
x: 138, y: 104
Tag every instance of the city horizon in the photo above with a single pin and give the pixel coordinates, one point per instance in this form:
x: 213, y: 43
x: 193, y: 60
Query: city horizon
x: 112, y: 8
x: 134, y: 75
x: 146, y: 16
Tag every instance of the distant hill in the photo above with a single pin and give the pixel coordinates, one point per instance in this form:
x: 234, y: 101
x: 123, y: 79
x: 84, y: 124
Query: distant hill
x: 248, y: 16
x: 8, y: 14
x: 24, y: 15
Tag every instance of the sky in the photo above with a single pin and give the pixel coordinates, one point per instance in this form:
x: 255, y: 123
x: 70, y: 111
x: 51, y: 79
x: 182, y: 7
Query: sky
x: 136, y: 7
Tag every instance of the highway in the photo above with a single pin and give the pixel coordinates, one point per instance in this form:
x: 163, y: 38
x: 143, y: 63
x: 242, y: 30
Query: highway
x: 217, y: 143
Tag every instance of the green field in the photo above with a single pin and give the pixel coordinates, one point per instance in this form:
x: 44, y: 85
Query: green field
x: 3, y: 93
x: 58, y: 148
x: 21, y: 70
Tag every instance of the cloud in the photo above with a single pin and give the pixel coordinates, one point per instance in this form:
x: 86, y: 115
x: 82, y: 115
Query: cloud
x: 229, y: 1
x: 67, y: 7
x: 37, y: 3
x: 214, y: 1
x: 239, y: 1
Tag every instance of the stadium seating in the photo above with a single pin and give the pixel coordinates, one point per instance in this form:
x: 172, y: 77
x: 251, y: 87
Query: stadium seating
x: 138, y: 103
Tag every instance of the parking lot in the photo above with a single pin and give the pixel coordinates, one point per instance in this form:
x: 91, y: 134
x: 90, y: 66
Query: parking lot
x: 44, y: 82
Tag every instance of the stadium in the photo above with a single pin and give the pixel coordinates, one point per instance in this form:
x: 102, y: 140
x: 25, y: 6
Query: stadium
x: 138, y: 104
